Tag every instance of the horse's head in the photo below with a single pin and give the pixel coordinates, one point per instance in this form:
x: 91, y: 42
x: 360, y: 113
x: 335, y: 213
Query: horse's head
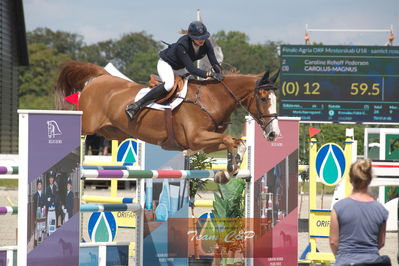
x: 264, y: 106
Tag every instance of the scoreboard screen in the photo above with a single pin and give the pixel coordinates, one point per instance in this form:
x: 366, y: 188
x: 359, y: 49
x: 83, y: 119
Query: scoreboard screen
x: 340, y: 83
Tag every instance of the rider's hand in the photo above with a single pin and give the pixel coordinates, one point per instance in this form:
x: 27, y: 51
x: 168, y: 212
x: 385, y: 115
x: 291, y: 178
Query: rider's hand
x: 218, y: 76
x: 217, y: 68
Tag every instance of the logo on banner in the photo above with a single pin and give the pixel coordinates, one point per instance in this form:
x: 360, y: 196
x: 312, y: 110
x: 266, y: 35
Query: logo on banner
x: 102, y: 227
x: 330, y: 164
x: 278, y: 142
x: 53, y: 130
x: 127, y: 152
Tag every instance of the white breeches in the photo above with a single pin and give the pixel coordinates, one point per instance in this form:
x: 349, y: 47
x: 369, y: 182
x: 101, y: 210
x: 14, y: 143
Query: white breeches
x: 167, y: 74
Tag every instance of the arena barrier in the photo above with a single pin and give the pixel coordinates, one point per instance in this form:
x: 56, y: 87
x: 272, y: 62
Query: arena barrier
x: 86, y: 208
x: 266, y: 199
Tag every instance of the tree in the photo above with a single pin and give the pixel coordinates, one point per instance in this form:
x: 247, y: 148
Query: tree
x: 100, y: 53
x: 136, y: 55
x: 60, y: 41
x: 38, y: 80
x: 247, y: 58
x: 48, y: 50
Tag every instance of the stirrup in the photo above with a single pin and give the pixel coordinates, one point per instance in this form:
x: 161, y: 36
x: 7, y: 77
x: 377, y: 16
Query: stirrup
x: 132, y: 114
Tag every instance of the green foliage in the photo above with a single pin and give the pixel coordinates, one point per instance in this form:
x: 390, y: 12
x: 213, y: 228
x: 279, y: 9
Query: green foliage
x: 229, y: 202
x: 247, y: 58
x: 334, y: 133
x: 135, y: 55
x: 199, y: 161
x: 100, y: 53
x: 60, y: 41
x: 38, y: 80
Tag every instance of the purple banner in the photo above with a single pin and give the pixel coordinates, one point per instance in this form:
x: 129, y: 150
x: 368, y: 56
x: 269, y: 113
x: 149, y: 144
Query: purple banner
x: 53, y: 189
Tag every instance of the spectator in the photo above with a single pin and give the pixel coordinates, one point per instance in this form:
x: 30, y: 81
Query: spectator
x: 106, y: 147
x: 93, y: 143
x: 358, y: 222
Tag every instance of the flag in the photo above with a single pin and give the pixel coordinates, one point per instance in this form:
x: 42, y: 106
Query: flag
x: 313, y: 131
x: 73, y: 98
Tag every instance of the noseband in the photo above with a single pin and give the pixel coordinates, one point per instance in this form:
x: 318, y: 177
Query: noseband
x: 273, y: 116
x: 259, y: 114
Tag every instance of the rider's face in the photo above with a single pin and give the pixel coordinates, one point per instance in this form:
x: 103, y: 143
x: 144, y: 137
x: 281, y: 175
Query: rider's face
x: 199, y: 42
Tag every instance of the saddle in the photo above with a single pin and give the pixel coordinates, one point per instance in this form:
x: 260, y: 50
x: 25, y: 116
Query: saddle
x: 155, y: 80
x: 170, y: 143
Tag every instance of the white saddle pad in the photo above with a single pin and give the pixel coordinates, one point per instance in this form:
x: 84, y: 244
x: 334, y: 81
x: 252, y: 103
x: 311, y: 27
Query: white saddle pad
x: 180, y: 97
x: 110, y: 68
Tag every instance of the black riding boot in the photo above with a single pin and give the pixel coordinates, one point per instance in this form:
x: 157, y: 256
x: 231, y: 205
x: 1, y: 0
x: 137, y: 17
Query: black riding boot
x: 154, y: 94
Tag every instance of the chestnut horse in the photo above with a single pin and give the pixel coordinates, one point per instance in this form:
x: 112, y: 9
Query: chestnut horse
x: 198, y: 122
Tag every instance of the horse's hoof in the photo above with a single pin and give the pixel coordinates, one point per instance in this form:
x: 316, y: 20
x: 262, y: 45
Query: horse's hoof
x: 221, y: 177
x: 229, y: 162
x: 238, y: 159
x: 189, y: 152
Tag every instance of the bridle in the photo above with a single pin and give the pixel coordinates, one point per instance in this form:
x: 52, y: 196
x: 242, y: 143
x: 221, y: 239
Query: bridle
x: 259, y: 114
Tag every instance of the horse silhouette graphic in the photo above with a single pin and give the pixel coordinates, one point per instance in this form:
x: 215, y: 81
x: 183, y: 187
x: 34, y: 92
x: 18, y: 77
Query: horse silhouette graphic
x: 53, y: 129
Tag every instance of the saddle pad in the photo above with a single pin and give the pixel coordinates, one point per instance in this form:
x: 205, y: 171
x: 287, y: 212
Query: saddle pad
x: 180, y: 96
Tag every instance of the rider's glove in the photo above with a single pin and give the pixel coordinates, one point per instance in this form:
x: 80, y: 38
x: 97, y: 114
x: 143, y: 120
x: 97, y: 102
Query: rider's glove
x: 218, y: 76
x: 217, y: 68
x: 214, y: 75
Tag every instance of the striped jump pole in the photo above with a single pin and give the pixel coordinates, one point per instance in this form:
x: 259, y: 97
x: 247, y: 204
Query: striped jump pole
x: 201, y: 203
x: 110, y: 207
x: 183, y: 174
x: 104, y: 199
x: 8, y: 210
x: 8, y: 170
x: 120, y: 200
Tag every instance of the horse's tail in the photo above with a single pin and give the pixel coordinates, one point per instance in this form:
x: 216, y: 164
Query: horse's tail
x: 72, y: 78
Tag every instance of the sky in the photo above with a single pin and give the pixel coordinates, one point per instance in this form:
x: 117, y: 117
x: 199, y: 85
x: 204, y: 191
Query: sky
x: 261, y: 20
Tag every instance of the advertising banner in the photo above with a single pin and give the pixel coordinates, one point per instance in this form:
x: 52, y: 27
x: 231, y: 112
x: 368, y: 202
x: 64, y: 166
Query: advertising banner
x: 49, y: 219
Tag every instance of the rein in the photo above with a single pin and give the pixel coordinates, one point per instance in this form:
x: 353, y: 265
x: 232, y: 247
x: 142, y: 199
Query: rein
x: 259, y: 114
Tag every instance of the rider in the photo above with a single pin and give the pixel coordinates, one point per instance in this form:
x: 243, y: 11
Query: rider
x: 178, y: 59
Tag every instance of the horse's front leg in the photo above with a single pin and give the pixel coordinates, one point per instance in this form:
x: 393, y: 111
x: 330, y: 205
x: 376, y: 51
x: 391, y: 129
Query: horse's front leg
x: 212, y: 142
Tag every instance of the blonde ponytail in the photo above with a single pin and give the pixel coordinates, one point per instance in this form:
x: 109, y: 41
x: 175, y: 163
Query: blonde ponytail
x: 361, y: 174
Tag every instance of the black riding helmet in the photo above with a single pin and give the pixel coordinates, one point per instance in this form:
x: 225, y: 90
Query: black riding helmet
x: 197, y: 31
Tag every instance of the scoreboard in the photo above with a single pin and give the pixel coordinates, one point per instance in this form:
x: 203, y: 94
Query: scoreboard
x: 340, y: 83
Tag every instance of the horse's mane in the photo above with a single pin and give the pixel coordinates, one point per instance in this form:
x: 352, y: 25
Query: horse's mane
x: 214, y: 81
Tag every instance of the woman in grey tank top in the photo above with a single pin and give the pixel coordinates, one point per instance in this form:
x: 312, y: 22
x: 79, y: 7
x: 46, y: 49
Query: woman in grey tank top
x: 358, y: 222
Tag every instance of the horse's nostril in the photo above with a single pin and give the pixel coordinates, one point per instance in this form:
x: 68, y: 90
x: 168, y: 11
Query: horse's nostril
x: 272, y: 135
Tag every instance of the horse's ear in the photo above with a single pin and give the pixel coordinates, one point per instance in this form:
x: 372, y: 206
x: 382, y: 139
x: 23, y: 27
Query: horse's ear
x: 275, y: 76
x: 265, y: 78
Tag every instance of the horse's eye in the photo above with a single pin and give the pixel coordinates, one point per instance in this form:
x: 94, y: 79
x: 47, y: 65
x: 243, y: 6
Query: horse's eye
x: 263, y: 99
